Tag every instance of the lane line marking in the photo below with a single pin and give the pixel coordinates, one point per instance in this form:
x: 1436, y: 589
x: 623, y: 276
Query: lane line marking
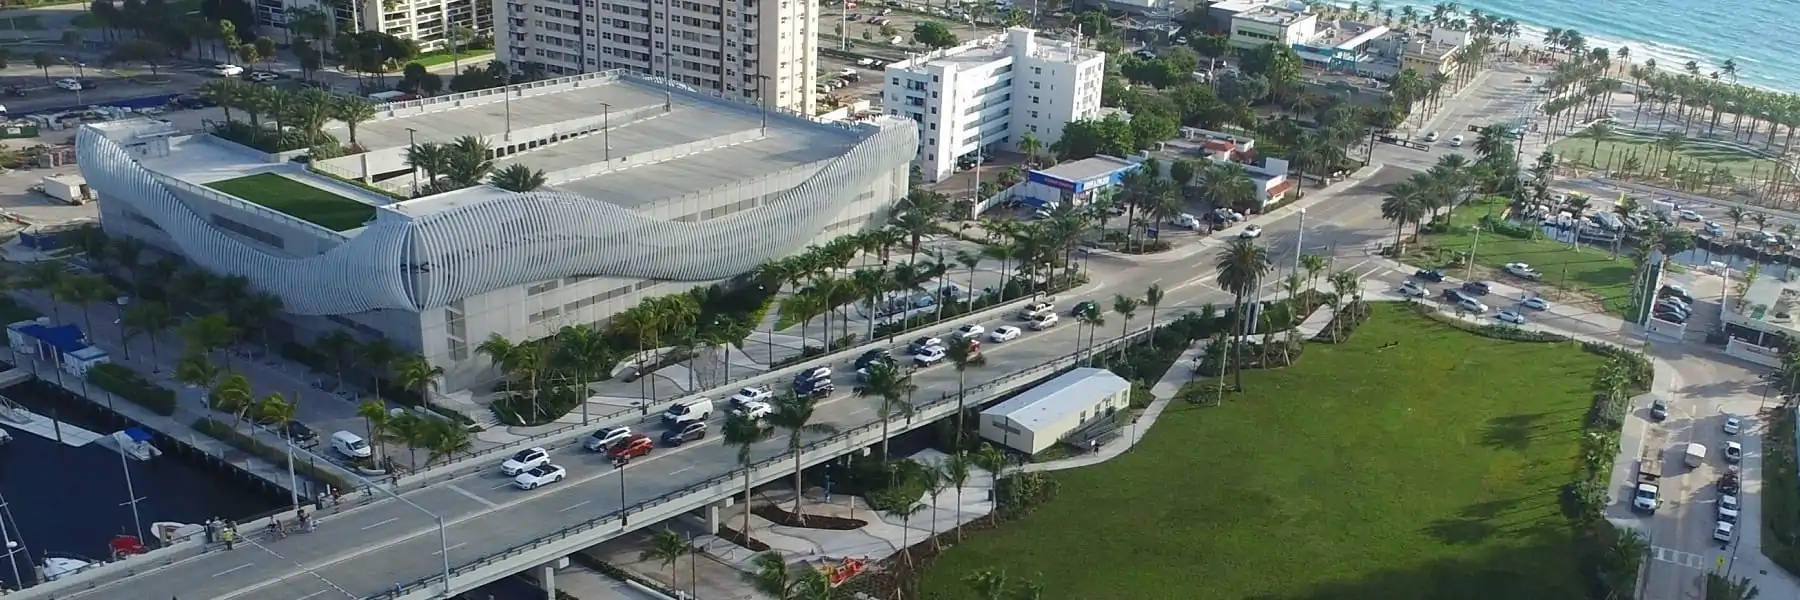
x: 234, y: 569
x: 503, y: 485
x: 577, y: 505
x: 680, y: 471
x: 434, y: 553
x: 314, y: 594
x: 471, y: 495
x: 368, y: 527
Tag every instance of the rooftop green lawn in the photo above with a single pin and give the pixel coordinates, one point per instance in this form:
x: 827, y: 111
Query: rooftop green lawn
x: 1583, y: 268
x: 1426, y: 470
x: 298, y: 200
x: 1611, y: 153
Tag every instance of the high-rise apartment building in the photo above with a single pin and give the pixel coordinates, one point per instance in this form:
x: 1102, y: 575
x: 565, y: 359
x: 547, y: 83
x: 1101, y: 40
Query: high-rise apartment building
x: 762, y: 51
x: 989, y: 94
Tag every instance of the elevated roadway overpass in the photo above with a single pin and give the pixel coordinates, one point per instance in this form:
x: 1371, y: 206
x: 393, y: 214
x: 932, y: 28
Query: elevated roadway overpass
x: 388, y: 549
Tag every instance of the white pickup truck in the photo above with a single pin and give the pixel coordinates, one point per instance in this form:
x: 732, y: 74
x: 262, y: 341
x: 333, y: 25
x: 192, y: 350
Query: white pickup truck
x: 1523, y: 271
x: 1648, y: 495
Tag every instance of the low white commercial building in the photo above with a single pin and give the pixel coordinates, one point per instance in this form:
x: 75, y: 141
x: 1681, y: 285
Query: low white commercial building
x: 1044, y: 415
x: 1286, y: 23
x: 991, y: 94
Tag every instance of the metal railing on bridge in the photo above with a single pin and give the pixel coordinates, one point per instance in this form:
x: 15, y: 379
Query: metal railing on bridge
x: 975, y: 395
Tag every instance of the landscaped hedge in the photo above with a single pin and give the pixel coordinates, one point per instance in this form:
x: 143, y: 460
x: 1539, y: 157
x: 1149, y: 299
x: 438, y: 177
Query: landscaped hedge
x: 311, y: 358
x: 537, y: 407
x: 127, y: 384
x: 1781, y: 493
x: 12, y: 312
x: 224, y: 432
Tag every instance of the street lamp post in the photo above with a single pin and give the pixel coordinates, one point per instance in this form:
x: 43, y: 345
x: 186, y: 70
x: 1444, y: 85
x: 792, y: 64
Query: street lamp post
x: 1299, y: 237
x: 762, y: 96
x: 606, y: 130
x: 412, y: 146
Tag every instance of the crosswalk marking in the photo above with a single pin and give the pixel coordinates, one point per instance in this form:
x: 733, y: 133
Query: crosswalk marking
x: 1673, y: 556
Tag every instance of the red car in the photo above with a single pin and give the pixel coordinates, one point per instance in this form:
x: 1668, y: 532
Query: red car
x: 632, y: 447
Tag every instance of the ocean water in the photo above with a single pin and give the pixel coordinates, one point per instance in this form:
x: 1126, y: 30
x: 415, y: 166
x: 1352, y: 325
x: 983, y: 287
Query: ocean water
x: 1761, y: 35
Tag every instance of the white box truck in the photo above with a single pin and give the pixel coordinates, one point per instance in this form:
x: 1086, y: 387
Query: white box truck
x: 1695, y: 455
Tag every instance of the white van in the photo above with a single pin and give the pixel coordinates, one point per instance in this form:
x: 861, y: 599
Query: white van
x: 1696, y: 455
x: 350, y: 445
x: 694, y: 409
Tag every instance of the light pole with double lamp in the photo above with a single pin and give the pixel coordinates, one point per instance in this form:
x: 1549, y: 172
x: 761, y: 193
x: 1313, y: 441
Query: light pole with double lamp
x: 412, y: 148
x: 443, y: 536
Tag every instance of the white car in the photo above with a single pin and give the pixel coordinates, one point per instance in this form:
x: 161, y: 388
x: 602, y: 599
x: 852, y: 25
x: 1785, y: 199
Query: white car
x: 1733, y: 426
x: 1722, y: 531
x: 69, y: 84
x: 1045, y: 322
x: 1510, y: 316
x: 754, y: 409
x: 1688, y: 215
x: 263, y: 77
x: 930, y: 356
x: 1456, y: 142
x: 1004, y: 333
x: 1523, y: 271
x: 1412, y: 288
x: 605, y: 438
x: 1472, y: 305
x: 525, y: 460
x: 543, y: 474
x: 1536, y: 303
x: 753, y: 394
x: 970, y: 331
x: 227, y: 70
x: 1734, y: 452
x: 1251, y: 232
x: 1431, y: 137
x: 1728, y: 508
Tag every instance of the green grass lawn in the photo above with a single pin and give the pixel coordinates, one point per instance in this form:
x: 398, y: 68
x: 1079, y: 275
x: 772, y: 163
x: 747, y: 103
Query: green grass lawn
x: 468, y: 56
x: 298, y: 200
x: 1581, y: 150
x: 1428, y: 470
x: 1587, y: 270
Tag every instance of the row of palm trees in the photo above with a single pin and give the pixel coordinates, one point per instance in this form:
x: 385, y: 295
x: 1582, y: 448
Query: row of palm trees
x: 463, y: 163
x: 299, y: 117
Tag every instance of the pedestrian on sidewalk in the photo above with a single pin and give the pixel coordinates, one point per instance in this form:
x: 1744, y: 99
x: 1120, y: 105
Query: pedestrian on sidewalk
x: 1094, y: 445
x: 212, y: 530
x: 230, y: 537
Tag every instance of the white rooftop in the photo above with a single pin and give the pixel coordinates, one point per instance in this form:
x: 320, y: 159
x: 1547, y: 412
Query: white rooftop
x: 996, y: 47
x: 1053, y: 401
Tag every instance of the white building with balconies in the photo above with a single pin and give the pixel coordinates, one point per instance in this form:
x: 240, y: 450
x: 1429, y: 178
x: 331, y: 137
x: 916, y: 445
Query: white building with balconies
x: 990, y: 94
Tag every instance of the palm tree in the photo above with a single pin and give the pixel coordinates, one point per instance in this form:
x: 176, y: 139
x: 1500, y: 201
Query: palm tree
x: 207, y: 334
x: 1403, y: 205
x: 906, y: 512
x: 1719, y: 587
x: 962, y: 353
x: 1736, y: 214
x: 772, y: 576
x: 518, y: 178
x: 1226, y: 185
x: 580, y: 351
x: 795, y: 414
x: 353, y: 111
x: 955, y: 472
x: 501, y: 352
x: 744, y: 432
x: 194, y: 370
x: 1153, y: 297
x: 1093, y: 317
x: 149, y: 319
x: 336, y: 347
x: 1029, y: 145
x: 378, y: 356
x: 667, y: 547
x: 375, y: 419
x: 430, y: 157
x: 415, y: 372
x: 232, y: 394
x: 1127, y: 307
x: 1241, y: 269
x: 893, y: 387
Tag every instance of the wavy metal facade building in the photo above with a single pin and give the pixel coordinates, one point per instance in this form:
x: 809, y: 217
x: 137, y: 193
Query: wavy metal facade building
x: 668, y: 189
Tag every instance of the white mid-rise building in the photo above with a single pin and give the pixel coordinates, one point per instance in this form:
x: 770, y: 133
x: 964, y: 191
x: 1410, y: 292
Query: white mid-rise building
x: 1285, y: 23
x: 763, y: 51
x: 426, y: 22
x: 990, y: 94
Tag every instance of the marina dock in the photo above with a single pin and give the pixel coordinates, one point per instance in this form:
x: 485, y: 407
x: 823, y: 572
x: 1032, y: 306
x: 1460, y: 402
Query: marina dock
x: 14, y: 416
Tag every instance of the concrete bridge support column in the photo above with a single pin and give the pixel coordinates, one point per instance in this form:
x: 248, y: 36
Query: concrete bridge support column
x: 713, y: 515
x: 547, y: 576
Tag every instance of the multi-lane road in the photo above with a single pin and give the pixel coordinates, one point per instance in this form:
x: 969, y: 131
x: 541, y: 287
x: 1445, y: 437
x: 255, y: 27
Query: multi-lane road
x: 484, y: 514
